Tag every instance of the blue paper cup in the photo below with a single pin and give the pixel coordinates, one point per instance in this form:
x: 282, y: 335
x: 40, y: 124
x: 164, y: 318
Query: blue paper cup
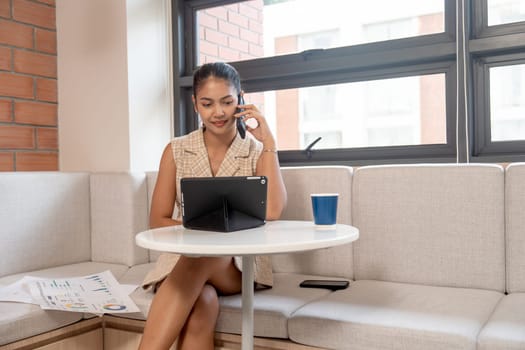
x: 324, y: 207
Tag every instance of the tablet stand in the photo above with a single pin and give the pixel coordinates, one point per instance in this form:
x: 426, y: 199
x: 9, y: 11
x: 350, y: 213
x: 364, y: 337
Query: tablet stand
x: 225, y: 219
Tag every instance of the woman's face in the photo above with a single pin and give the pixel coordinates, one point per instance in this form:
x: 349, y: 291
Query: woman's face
x: 216, y: 102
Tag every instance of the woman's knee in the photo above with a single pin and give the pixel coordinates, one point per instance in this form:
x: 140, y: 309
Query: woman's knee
x: 205, y: 310
x: 206, y: 265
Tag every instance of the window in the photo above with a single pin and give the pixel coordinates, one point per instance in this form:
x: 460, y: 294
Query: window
x: 257, y: 28
x: 379, y: 82
x: 387, y: 112
x: 505, y: 11
x: 309, y: 41
x: 507, y: 103
x: 499, y: 80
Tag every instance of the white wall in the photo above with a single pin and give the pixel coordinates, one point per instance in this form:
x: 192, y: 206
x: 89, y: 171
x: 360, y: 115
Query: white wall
x: 149, y: 81
x: 114, y: 97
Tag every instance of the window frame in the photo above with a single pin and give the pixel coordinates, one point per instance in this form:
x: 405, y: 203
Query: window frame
x: 426, y: 54
x: 483, y: 30
x: 492, y: 46
x: 483, y: 144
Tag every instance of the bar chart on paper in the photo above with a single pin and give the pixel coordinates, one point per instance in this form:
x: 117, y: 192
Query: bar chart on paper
x: 99, y: 293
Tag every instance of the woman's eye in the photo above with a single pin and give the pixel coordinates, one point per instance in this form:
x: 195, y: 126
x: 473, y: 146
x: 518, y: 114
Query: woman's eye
x: 227, y: 103
x: 206, y: 105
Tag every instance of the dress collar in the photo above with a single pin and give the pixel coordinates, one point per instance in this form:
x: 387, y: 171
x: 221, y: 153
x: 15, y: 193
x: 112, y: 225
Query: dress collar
x: 238, y: 150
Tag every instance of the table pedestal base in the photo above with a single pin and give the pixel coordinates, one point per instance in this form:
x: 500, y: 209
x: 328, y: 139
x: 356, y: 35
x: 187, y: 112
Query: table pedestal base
x: 247, y: 302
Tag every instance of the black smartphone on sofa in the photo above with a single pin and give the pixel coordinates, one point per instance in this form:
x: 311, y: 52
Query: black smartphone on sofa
x: 325, y: 284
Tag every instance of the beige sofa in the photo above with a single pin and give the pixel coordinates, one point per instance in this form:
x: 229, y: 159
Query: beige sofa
x: 440, y: 262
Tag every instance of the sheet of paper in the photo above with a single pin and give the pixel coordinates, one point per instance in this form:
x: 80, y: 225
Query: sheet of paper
x: 129, y: 288
x: 99, y: 293
x: 18, y: 291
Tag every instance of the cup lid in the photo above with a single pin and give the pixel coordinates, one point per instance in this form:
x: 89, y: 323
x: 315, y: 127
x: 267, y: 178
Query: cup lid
x: 324, y: 194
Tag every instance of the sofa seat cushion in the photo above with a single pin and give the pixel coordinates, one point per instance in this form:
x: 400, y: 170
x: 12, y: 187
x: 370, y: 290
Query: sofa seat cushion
x: 506, y: 327
x: 135, y: 275
x: 380, y: 315
x: 272, y: 307
x: 19, y: 321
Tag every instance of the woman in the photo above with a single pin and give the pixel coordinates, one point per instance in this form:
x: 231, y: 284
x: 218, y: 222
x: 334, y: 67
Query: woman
x: 186, y: 303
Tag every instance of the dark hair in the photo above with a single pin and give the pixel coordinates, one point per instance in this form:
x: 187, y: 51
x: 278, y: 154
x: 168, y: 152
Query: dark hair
x: 219, y: 70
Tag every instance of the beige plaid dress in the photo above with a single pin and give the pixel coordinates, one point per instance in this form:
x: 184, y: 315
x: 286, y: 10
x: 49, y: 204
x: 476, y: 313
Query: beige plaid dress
x: 191, y: 159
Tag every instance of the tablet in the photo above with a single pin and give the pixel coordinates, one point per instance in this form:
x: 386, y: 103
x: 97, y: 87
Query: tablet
x: 223, y: 203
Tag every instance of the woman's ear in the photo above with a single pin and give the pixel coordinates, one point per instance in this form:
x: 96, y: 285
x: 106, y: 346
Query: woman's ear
x: 194, y: 104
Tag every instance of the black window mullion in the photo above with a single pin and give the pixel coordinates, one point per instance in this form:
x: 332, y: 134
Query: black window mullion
x: 370, y: 155
x: 498, y: 44
x: 481, y: 106
x: 462, y: 69
x: 178, y: 64
x: 479, y: 12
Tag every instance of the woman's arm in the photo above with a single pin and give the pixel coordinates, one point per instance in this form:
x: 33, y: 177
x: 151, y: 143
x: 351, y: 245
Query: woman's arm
x: 165, y: 192
x: 268, y: 162
x: 268, y: 165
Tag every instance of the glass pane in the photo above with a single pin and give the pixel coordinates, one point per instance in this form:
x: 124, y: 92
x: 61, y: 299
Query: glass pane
x: 389, y: 112
x: 262, y: 28
x: 507, y: 103
x: 505, y: 11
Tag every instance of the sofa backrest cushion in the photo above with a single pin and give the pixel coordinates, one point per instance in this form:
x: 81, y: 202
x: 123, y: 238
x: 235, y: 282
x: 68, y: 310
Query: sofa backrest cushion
x: 44, y: 220
x: 515, y: 227
x: 151, y: 180
x: 430, y: 224
x: 151, y: 177
x: 300, y: 182
x: 119, y: 210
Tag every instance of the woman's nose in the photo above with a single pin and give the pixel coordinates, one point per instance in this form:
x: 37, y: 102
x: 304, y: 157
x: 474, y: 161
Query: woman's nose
x: 219, y: 111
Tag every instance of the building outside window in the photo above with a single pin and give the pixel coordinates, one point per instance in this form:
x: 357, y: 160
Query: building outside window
x: 507, y: 102
x: 505, y: 11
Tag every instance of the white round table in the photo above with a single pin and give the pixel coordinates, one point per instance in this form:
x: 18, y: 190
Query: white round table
x: 274, y: 237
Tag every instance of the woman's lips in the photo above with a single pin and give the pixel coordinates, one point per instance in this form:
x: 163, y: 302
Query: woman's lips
x: 219, y: 123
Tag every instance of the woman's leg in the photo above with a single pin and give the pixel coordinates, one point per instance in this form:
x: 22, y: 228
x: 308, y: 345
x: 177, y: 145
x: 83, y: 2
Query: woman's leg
x: 199, y: 330
x: 178, y: 293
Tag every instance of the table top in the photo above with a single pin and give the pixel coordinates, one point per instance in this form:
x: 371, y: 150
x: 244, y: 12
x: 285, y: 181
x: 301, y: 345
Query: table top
x: 272, y: 238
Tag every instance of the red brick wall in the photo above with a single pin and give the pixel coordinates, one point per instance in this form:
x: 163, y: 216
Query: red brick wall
x: 28, y: 86
x: 231, y: 33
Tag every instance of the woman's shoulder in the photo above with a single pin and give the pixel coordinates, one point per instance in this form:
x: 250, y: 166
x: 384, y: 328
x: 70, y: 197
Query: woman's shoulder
x: 190, y: 141
x: 194, y: 135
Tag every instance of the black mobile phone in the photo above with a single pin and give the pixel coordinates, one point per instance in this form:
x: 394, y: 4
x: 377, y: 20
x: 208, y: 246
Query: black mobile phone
x: 241, y: 125
x: 325, y: 284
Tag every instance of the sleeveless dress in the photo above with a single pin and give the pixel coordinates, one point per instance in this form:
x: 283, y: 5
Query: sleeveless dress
x: 191, y: 160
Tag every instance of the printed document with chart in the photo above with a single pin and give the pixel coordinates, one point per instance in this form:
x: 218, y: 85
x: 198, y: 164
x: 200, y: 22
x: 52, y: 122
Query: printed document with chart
x: 99, y: 293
